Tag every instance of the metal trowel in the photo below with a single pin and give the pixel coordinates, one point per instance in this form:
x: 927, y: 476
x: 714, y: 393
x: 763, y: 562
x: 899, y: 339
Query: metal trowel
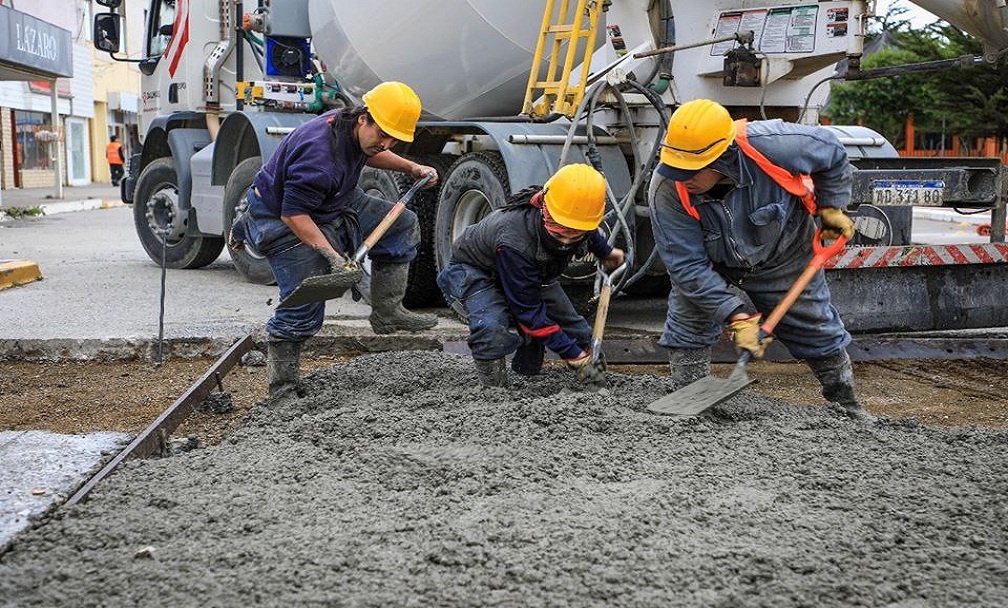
x: 330, y: 286
x: 707, y: 392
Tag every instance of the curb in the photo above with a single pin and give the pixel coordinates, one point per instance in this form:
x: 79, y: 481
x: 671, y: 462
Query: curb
x: 949, y: 215
x: 18, y: 272
x: 70, y: 206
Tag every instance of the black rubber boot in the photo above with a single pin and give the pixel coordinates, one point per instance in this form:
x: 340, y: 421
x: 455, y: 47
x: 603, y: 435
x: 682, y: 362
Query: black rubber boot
x: 283, y: 362
x: 528, y: 359
x: 492, y: 372
x: 388, y: 286
x: 836, y: 375
x: 687, y: 365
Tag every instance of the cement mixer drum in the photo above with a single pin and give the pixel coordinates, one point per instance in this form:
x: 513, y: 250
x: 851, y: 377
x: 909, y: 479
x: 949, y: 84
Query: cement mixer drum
x: 464, y: 58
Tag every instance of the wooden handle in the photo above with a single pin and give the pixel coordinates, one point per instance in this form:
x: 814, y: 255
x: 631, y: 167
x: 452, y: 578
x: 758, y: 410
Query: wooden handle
x: 601, y: 312
x: 389, y: 219
x: 384, y: 225
x: 821, y: 255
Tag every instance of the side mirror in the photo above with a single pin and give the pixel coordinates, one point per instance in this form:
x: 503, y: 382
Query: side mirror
x: 106, y: 32
x: 109, y: 3
x: 148, y: 64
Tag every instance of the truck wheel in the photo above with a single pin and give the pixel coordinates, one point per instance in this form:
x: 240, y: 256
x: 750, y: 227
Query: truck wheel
x: 476, y: 185
x: 421, y: 290
x: 426, y: 262
x: 158, y: 220
x: 249, y: 263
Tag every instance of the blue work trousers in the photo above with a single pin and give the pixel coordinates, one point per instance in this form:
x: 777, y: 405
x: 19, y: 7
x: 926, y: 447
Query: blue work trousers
x: 812, y: 327
x: 292, y: 261
x: 493, y: 333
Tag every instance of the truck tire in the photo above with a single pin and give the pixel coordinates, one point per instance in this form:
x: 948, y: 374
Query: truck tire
x: 250, y: 264
x: 421, y: 290
x: 475, y: 185
x: 426, y: 262
x: 158, y: 220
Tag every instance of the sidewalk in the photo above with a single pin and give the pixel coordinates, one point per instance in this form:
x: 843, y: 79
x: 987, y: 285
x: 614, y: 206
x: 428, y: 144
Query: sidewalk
x: 95, y: 195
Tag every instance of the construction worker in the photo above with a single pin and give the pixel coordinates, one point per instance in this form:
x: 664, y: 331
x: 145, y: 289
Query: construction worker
x: 306, y: 213
x: 115, y: 158
x: 723, y: 223
x: 505, y: 270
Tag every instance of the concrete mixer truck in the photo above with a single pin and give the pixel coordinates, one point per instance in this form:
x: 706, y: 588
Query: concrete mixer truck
x: 512, y: 91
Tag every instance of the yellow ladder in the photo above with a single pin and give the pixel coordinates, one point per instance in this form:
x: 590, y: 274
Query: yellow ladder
x: 578, y: 32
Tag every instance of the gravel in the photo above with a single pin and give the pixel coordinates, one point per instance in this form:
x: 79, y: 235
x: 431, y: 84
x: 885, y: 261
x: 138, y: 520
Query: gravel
x: 396, y: 481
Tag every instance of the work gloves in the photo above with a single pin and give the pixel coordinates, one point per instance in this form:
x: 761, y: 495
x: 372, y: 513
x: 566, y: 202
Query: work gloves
x: 589, y: 373
x: 835, y: 223
x: 746, y: 336
x: 336, y: 261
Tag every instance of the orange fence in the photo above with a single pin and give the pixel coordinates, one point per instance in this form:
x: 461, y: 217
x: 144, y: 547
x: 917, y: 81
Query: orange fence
x: 950, y: 153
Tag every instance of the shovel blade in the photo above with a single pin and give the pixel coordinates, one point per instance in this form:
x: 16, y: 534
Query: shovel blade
x: 322, y: 287
x: 695, y: 398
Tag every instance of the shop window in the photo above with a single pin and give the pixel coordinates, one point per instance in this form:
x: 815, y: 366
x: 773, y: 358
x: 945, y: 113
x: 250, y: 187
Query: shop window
x: 32, y: 152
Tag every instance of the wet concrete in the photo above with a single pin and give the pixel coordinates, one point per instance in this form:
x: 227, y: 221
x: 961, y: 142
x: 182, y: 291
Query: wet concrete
x: 395, y: 481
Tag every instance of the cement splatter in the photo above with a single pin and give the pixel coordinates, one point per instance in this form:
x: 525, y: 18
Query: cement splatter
x: 396, y: 480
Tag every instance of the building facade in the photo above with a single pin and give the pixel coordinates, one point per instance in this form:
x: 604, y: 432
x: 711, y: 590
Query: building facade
x: 99, y: 99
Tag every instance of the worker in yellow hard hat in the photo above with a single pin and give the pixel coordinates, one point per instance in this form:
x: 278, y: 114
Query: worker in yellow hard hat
x: 734, y: 206
x: 503, y: 277
x: 307, y: 215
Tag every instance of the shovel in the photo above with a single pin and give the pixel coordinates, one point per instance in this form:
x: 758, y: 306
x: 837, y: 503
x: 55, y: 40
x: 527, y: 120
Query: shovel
x: 707, y: 392
x: 334, y: 285
x: 602, y: 311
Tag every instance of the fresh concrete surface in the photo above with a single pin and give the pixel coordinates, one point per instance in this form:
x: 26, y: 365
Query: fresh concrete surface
x: 41, y: 470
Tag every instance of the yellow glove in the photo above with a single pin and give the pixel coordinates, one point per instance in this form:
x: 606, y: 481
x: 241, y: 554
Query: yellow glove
x: 746, y: 336
x: 835, y: 222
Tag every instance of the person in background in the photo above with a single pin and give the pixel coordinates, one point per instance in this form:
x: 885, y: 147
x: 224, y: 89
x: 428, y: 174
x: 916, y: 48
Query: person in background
x: 306, y: 213
x: 723, y: 223
x: 505, y: 271
x: 116, y: 158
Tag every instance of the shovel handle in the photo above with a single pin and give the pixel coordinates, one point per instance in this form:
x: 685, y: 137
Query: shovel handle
x: 389, y: 219
x: 602, y: 310
x: 821, y: 255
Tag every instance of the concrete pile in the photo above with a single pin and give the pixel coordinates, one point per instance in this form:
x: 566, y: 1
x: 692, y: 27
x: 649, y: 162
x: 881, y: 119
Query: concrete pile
x: 397, y: 480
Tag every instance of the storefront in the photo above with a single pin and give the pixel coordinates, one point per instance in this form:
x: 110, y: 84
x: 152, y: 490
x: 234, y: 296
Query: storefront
x: 32, y: 50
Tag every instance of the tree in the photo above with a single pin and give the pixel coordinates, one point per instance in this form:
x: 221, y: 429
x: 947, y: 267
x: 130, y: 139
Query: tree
x: 970, y: 102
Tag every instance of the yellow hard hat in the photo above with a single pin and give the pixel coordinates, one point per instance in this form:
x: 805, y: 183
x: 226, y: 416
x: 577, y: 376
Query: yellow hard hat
x: 395, y: 107
x: 575, y: 197
x: 698, y: 132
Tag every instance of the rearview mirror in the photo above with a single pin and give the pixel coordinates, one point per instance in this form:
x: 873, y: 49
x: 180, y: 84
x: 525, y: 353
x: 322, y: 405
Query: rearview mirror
x: 106, y: 32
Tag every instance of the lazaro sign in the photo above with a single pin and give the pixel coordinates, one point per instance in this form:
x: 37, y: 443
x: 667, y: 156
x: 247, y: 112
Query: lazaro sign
x: 34, y: 45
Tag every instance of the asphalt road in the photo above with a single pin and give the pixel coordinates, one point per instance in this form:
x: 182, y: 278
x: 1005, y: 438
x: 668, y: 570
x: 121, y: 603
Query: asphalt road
x: 99, y: 284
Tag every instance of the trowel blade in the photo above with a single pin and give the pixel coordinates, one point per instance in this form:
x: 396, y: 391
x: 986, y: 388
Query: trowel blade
x: 701, y: 395
x: 322, y: 287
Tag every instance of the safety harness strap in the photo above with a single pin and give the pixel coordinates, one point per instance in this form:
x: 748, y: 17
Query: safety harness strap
x: 798, y: 185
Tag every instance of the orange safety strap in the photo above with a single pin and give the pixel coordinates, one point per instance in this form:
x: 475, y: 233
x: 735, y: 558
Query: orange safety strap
x: 798, y: 185
x: 684, y: 199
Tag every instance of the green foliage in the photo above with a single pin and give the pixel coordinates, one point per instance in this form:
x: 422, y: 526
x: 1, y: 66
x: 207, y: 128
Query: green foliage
x: 969, y: 102
x: 23, y: 212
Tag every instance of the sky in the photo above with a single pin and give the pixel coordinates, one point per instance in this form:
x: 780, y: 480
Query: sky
x: 918, y: 16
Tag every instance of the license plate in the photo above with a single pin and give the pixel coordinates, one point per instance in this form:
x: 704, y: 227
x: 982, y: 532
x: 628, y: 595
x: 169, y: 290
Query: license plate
x: 922, y: 193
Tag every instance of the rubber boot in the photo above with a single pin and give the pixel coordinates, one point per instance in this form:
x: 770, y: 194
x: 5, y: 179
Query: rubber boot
x: 388, y: 286
x: 283, y: 362
x: 687, y: 365
x: 492, y: 372
x: 528, y: 359
x: 836, y: 375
